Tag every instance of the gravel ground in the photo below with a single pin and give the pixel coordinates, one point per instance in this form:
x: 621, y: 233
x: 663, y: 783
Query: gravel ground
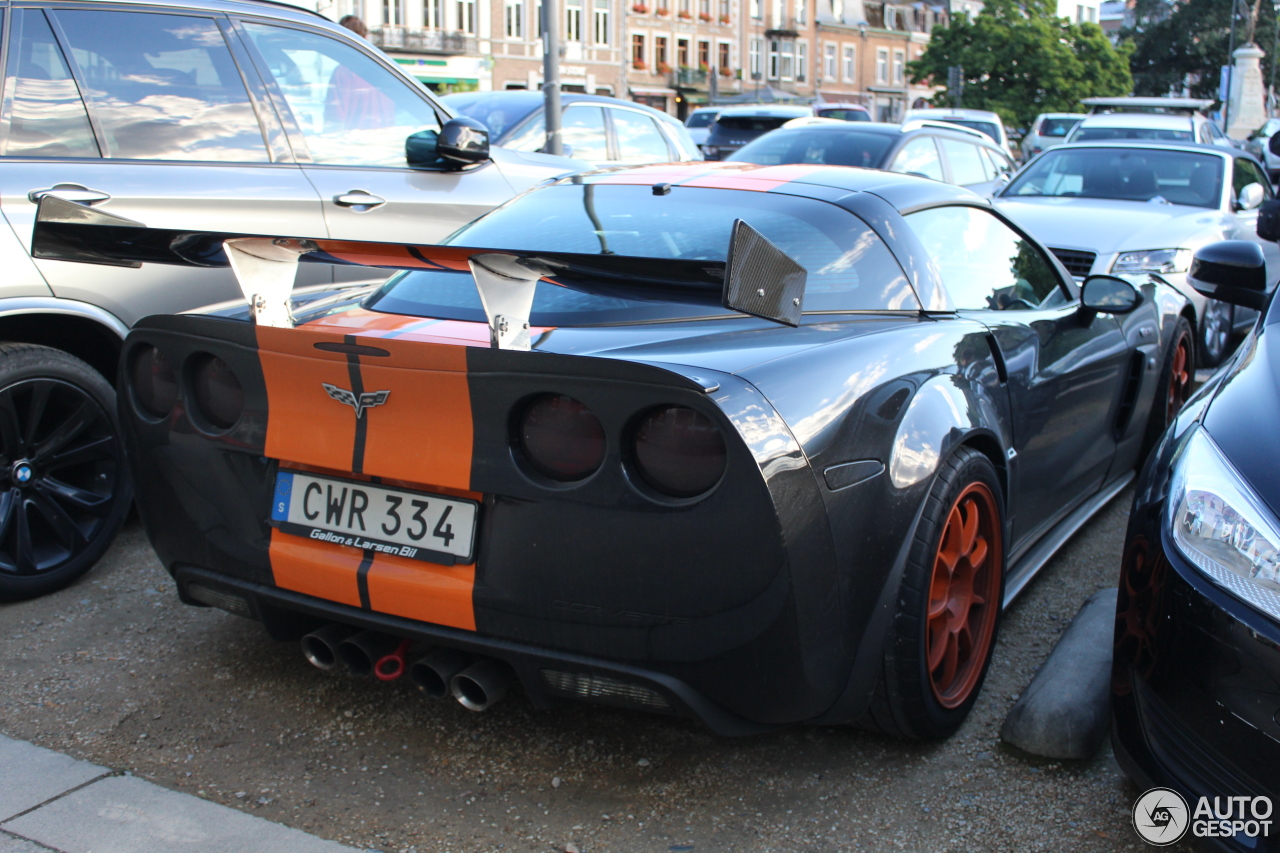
x: 115, y: 670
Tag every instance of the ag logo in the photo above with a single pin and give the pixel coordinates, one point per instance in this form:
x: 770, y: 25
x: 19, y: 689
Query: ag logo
x: 1160, y: 817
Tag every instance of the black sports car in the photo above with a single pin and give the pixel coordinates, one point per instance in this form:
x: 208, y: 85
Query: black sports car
x: 1196, y: 671
x: 752, y: 445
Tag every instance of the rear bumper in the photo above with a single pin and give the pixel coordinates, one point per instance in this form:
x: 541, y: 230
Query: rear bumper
x: 285, y: 614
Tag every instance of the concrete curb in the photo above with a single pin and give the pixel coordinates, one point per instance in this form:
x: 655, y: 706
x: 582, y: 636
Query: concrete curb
x: 51, y: 802
x: 1064, y: 713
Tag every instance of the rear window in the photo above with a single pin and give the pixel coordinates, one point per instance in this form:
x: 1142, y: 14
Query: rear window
x: 756, y: 123
x: 700, y: 119
x: 845, y: 114
x: 1057, y: 127
x: 834, y: 148
x: 983, y: 127
x: 849, y: 267
x: 1101, y: 134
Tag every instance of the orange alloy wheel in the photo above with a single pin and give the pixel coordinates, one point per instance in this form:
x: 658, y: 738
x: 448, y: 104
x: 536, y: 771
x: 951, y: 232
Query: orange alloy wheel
x: 964, y: 596
x: 1179, y: 378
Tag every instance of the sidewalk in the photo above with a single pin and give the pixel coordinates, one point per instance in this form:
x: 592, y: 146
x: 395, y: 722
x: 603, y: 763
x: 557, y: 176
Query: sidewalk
x: 52, y: 802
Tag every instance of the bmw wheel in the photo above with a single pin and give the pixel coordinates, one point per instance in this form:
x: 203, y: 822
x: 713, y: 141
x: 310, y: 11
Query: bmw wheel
x: 948, y: 605
x: 1216, y: 322
x: 64, y: 485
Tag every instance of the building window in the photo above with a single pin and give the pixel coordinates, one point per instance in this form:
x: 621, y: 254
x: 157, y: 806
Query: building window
x: 829, y: 61
x: 514, y: 19
x: 433, y: 14
x: 682, y: 53
x: 704, y: 55
x: 684, y: 9
x: 392, y: 12
x: 756, y: 47
x: 723, y: 61
x: 467, y: 16
x: 774, y: 59
x: 573, y: 20
x: 1079, y: 14
x: 802, y: 62
x: 537, y: 18
x: 726, y: 10
x: 704, y: 10
x: 779, y: 11
x: 899, y: 68
x: 601, y: 22
x: 660, y: 57
x: 849, y: 64
x: 801, y: 11
x: 882, y: 65
x: 637, y: 50
x: 756, y: 9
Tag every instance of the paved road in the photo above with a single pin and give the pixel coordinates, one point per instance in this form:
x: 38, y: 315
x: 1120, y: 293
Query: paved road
x: 117, y: 672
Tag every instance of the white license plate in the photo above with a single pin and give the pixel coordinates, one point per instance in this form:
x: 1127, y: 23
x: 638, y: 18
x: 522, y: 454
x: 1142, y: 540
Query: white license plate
x: 417, y: 525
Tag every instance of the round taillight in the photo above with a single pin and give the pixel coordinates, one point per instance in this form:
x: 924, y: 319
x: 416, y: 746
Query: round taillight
x: 155, y: 384
x: 678, y: 451
x: 218, y: 395
x: 560, y: 438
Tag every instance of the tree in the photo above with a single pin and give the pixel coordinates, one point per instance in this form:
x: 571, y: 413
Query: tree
x: 1187, y: 44
x: 1020, y: 60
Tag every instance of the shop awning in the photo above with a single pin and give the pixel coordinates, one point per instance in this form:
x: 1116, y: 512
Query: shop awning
x: 652, y: 90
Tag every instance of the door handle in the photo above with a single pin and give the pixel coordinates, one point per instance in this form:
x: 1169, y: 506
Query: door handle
x: 358, y: 199
x: 69, y: 192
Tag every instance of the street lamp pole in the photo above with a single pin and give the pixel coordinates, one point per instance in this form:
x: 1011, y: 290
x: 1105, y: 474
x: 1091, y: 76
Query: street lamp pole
x: 1231, y: 49
x: 551, y: 74
x: 1275, y: 48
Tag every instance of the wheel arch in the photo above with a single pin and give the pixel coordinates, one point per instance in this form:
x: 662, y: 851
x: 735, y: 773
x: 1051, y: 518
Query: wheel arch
x: 89, y: 333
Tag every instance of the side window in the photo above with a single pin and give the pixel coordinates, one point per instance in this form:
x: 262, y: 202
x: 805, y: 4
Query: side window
x: 919, y: 157
x: 1247, y: 172
x: 983, y: 263
x: 966, y: 162
x: 163, y: 87
x: 582, y: 132
x: 639, y: 140
x: 1000, y: 164
x: 350, y: 110
x: 47, y: 118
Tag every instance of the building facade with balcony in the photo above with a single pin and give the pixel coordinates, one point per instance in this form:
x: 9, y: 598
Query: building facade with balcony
x: 682, y: 54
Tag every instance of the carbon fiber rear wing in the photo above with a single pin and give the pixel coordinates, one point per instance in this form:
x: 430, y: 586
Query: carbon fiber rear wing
x: 757, y: 278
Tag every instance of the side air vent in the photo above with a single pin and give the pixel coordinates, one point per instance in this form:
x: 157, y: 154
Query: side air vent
x: 1077, y: 263
x: 1132, y: 383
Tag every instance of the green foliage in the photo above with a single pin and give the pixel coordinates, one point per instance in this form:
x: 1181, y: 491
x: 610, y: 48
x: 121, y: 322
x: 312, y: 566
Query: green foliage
x: 1191, y: 38
x: 1020, y: 60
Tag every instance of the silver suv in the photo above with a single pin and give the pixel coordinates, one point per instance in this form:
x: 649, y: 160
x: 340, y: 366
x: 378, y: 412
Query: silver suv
x: 249, y: 117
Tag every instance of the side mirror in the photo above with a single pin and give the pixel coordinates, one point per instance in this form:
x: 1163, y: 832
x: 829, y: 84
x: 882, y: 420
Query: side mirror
x: 1232, y: 271
x: 1110, y: 294
x: 1274, y: 143
x: 1251, y: 195
x: 463, y: 142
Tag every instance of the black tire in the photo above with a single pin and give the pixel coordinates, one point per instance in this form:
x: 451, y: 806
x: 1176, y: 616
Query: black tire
x: 64, y: 485
x: 1176, y: 379
x: 909, y: 701
x: 1217, y: 325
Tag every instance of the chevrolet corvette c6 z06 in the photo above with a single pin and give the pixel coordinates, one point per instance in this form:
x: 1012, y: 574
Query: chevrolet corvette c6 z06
x: 755, y: 445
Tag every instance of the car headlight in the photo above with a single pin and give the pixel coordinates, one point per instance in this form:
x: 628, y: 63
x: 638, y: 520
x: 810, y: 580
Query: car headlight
x: 1153, y: 260
x: 1222, y: 527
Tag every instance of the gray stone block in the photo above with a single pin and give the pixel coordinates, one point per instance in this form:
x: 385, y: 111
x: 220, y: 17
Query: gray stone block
x: 1065, y: 711
x: 13, y: 844
x: 124, y: 814
x: 30, y: 775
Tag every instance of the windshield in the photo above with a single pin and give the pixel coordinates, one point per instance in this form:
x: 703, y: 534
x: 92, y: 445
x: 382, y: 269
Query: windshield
x: 1178, y: 177
x: 497, y: 112
x: 702, y: 118
x: 1057, y: 127
x: 834, y: 148
x: 1102, y: 134
x: 849, y: 267
x: 845, y: 114
x: 984, y: 127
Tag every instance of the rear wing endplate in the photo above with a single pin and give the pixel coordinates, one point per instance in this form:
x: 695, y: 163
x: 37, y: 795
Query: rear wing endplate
x: 757, y: 278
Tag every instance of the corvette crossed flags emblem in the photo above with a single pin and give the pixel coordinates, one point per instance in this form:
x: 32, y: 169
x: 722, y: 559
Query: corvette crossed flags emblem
x: 367, y: 400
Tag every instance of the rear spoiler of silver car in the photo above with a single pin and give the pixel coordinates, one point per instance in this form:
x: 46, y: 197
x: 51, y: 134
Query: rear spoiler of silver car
x: 757, y: 277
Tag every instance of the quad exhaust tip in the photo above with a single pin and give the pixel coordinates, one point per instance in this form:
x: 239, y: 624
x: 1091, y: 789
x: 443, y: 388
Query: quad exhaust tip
x: 434, y: 672
x: 320, y: 647
x: 362, y: 652
x: 481, y: 685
